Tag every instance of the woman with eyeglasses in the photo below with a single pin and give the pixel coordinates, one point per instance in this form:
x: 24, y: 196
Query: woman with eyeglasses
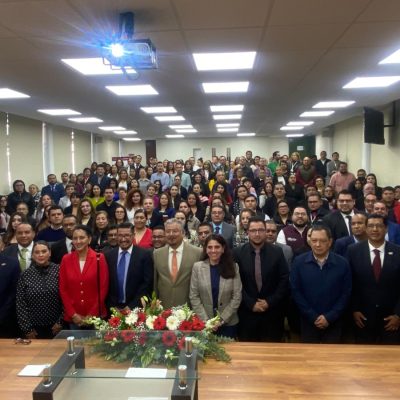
x: 39, y: 307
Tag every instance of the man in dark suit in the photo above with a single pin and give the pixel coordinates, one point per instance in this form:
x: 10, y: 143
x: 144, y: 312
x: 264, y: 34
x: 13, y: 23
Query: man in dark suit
x: 316, y: 211
x: 99, y: 178
x: 359, y: 233
x: 9, y: 274
x: 130, y: 270
x: 393, y: 229
x: 271, y: 236
x: 54, y: 189
x: 108, y: 205
x: 136, y: 165
x: 320, y: 165
x: 375, y: 264
x: 64, y: 246
x: 264, y: 274
x: 227, y: 231
x: 339, y: 222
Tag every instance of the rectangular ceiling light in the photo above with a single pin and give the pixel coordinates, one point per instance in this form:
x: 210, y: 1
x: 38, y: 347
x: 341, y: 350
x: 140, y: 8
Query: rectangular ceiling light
x: 246, y: 134
x: 186, y: 130
x: 166, y: 118
x: 112, y: 128
x: 85, y: 120
x: 227, y: 116
x: 228, y: 125
x: 59, y: 111
x: 181, y: 126
x: 299, y: 123
x: 316, y: 114
x: 224, y: 61
x: 295, y: 135
x: 133, y: 90
x: 228, y: 129
x: 174, y: 136
x: 291, y: 128
x: 232, y: 108
x: 161, y: 110
x: 6, y: 93
x: 371, y: 82
x: 125, y: 132
x: 394, y: 58
x: 333, y: 104
x: 94, y: 66
x: 225, y: 87
x: 131, y: 139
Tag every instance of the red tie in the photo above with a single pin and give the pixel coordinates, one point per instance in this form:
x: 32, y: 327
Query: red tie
x: 377, y: 265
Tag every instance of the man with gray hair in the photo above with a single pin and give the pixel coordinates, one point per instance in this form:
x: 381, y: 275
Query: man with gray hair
x: 173, y: 266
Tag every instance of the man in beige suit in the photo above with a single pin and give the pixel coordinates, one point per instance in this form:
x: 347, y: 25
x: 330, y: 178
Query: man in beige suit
x: 173, y: 266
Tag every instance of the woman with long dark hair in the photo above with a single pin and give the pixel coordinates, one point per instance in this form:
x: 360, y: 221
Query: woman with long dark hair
x: 120, y: 215
x: 99, y: 236
x: 215, y: 286
x: 9, y: 237
x: 196, y: 207
x: 86, y: 213
x: 142, y: 234
x: 165, y: 206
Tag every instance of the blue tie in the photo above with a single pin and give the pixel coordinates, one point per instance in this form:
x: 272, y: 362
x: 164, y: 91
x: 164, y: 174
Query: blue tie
x: 121, y: 276
x: 217, y: 229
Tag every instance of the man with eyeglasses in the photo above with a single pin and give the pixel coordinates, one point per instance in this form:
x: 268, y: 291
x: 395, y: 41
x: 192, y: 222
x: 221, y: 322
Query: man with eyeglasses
x: 204, y: 230
x: 220, y: 227
x: 264, y: 274
x: 339, y: 222
x: 271, y: 231
x: 375, y: 264
x: 130, y: 270
x: 158, y: 237
x: 316, y: 211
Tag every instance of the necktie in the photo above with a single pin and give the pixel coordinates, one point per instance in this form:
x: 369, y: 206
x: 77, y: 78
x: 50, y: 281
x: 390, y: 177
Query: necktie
x: 22, y: 258
x: 217, y: 229
x: 257, y: 270
x: 348, y: 217
x: 377, y: 265
x: 174, y: 266
x: 121, y: 276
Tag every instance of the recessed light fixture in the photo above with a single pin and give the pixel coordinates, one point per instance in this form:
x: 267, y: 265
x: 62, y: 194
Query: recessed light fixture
x: 133, y: 90
x: 238, y: 107
x: 131, y: 139
x: 166, y: 118
x: 112, y: 128
x: 94, y: 66
x: 228, y: 125
x: 307, y: 114
x: 371, y: 82
x: 227, y: 116
x: 291, y: 128
x: 221, y: 61
x: 85, y: 120
x: 161, y: 110
x: 228, y: 129
x: 186, y: 130
x: 59, y: 111
x: 245, y: 134
x: 333, y: 104
x: 225, y: 87
x: 188, y: 126
x: 299, y: 123
x: 6, y: 93
x: 294, y: 135
x: 125, y: 132
x: 394, y: 58
x: 174, y: 136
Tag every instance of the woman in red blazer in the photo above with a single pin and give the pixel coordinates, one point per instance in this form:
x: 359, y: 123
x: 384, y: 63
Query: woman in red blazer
x: 83, y: 280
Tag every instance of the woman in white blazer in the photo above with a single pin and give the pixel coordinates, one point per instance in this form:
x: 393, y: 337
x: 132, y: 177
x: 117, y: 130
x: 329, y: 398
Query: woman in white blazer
x: 215, y: 286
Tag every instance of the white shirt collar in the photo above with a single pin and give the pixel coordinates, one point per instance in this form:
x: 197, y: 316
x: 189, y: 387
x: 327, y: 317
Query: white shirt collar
x: 380, y: 248
x: 178, y: 249
x: 28, y: 247
x: 129, y: 250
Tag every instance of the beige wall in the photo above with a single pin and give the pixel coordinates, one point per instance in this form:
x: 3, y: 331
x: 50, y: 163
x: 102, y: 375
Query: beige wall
x: 82, y: 150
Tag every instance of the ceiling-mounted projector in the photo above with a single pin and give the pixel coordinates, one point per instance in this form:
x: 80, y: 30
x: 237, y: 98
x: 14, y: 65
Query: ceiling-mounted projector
x: 126, y: 52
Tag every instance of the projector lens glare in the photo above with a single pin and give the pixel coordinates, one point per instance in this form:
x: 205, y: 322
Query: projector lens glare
x: 117, y: 50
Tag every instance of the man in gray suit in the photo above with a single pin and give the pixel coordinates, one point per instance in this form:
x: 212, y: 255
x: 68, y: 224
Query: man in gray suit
x: 227, y: 231
x: 272, y: 234
x: 173, y: 266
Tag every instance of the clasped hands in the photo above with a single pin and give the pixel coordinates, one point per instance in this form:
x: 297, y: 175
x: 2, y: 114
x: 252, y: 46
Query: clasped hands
x: 261, y: 305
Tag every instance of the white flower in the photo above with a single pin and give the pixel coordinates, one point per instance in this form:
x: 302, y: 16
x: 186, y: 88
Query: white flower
x: 180, y: 314
x: 211, y: 323
x: 131, y: 319
x: 150, y: 321
x: 172, y: 323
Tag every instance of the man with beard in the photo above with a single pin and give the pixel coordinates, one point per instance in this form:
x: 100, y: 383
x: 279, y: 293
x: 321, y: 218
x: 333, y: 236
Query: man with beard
x: 64, y: 246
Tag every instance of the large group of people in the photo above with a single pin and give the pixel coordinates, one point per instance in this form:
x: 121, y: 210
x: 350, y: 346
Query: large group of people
x: 280, y: 249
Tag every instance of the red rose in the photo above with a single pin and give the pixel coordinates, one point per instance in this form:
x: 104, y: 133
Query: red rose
x: 110, y: 336
x: 185, y: 326
x: 169, y: 338
x: 114, y: 322
x: 197, y: 324
x: 141, y: 318
x: 159, y: 324
x: 181, y: 343
x: 166, y: 313
x: 128, y: 336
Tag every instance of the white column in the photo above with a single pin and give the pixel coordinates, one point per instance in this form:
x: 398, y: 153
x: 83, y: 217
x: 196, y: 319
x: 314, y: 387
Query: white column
x: 120, y: 147
x: 366, y: 157
x: 47, y: 150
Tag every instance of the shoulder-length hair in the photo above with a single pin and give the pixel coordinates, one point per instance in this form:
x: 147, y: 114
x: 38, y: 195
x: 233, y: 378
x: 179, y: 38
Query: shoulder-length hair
x: 129, y: 202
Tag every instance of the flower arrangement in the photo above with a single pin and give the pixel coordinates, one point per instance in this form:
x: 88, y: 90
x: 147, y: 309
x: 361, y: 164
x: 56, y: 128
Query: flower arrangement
x: 152, y: 335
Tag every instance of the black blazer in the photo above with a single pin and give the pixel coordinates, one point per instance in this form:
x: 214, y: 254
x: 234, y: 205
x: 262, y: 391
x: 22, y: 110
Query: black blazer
x: 375, y: 299
x: 11, y: 251
x: 336, y: 224
x: 139, y: 280
x: 58, y: 250
x: 156, y: 219
x: 342, y: 244
x: 275, y: 276
x: 321, y: 168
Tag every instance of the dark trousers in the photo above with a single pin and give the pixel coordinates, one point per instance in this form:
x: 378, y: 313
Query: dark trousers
x: 374, y: 332
x: 311, y: 334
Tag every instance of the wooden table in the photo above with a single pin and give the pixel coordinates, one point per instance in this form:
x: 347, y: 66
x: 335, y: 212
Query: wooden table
x: 259, y: 371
